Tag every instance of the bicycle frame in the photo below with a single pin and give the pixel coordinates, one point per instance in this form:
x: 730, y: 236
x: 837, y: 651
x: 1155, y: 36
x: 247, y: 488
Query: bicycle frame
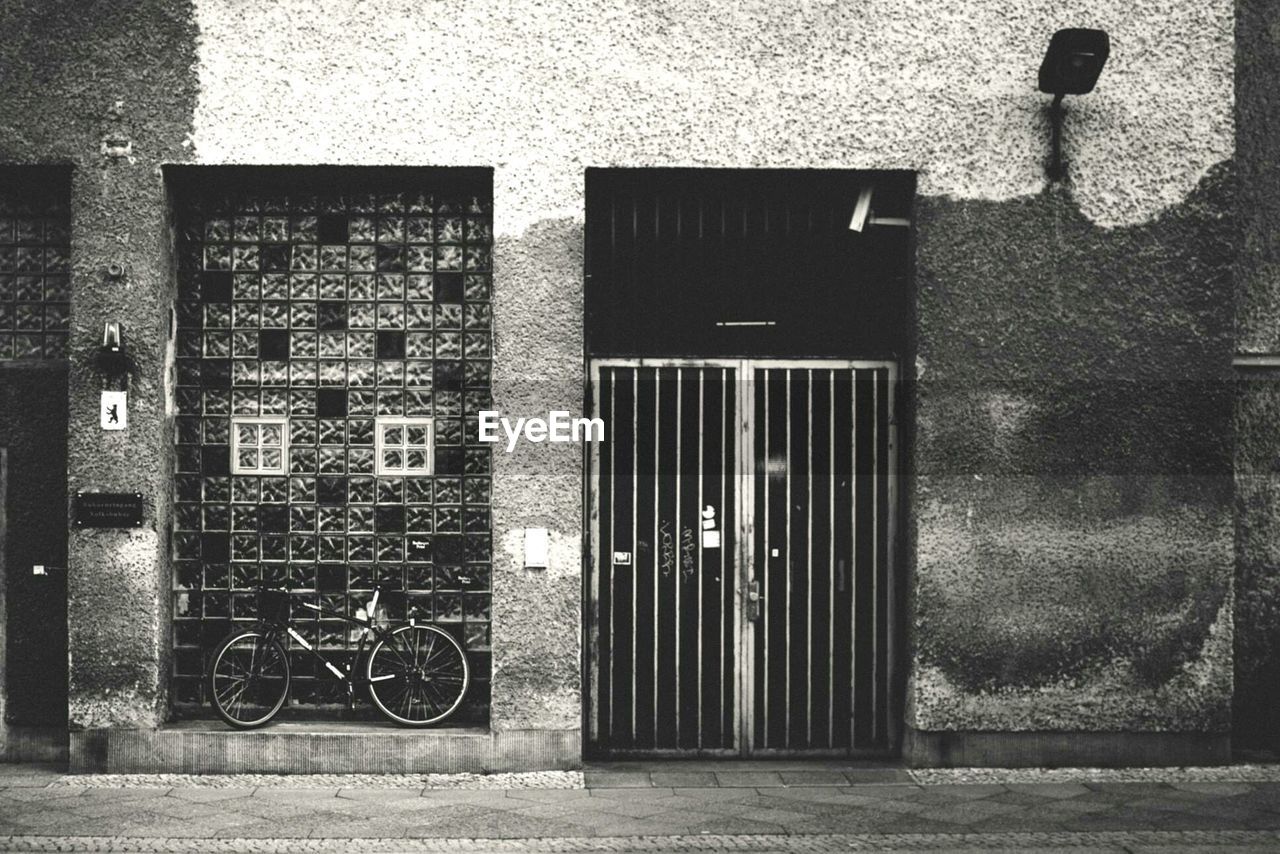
x: 352, y: 679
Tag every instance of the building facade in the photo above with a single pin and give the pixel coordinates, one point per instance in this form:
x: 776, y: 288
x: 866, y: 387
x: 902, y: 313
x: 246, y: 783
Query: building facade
x: 989, y: 480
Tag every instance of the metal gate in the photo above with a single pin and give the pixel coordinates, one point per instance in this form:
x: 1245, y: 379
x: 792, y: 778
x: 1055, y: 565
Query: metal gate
x: 741, y: 580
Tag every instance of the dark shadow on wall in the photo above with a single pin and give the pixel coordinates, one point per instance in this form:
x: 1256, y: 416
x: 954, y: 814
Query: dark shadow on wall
x: 1074, y: 438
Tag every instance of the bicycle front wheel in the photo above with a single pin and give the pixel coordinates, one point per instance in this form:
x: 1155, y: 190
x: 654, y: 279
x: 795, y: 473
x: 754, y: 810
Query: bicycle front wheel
x: 417, y: 675
x: 249, y: 679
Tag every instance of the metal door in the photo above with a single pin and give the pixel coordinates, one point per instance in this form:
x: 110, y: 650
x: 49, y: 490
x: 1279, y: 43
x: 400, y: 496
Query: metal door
x: 740, y: 586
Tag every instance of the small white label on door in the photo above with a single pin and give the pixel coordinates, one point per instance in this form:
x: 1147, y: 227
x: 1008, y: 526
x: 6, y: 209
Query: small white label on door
x: 711, y: 539
x: 622, y: 558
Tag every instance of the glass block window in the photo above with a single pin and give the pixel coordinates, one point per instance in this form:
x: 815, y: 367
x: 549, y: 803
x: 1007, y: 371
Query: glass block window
x: 35, y: 264
x: 404, y: 446
x: 324, y: 314
x: 259, y: 445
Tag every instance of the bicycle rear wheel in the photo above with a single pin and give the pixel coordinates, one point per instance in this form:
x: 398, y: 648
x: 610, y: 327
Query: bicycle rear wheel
x: 249, y: 678
x: 418, y: 675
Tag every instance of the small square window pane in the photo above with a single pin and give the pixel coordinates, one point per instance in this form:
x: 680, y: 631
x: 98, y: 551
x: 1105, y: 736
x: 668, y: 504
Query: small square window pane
x: 271, y: 434
x: 393, y: 435
x: 272, y: 459
x: 247, y: 434
x: 416, y: 434
x: 247, y: 458
x: 392, y: 459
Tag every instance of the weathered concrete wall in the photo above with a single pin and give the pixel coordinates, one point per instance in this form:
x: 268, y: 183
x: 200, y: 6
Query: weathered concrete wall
x: 540, y: 91
x: 109, y: 89
x: 1074, y: 556
x: 1257, y: 652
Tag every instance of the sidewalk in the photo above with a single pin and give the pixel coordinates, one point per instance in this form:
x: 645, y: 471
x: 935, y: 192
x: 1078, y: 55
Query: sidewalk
x: 649, y: 807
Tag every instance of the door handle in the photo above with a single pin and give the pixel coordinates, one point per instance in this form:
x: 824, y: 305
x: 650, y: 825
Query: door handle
x: 754, y: 599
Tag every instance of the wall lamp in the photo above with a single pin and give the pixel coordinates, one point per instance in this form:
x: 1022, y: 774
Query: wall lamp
x: 111, y: 360
x: 1070, y: 67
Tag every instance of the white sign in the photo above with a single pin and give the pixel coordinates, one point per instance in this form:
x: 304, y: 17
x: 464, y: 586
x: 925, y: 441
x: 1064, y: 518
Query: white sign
x: 711, y: 539
x: 115, y: 415
x: 536, y: 547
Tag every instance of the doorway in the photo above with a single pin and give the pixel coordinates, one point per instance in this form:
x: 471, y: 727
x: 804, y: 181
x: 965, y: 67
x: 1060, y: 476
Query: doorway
x: 740, y: 579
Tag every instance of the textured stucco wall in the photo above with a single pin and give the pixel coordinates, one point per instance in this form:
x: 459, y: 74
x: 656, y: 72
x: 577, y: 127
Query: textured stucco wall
x: 81, y: 78
x: 1074, y: 554
x: 541, y: 91
x: 1257, y: 701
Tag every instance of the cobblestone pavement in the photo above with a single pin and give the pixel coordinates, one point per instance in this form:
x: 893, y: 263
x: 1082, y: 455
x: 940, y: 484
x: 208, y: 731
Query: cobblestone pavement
x: 701, y: 807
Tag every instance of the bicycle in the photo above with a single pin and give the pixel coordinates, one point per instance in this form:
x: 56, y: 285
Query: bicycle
x: 416, y: 673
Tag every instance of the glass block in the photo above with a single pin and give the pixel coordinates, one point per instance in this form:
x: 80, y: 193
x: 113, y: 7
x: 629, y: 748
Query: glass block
x: 275, y: 315
x: 332, y: 345
x: 390, y: 402
x: 390, y: 490
x: 477, y: 316
x: 217, y: 315
x: 303, y: 374
x: 244, y: 518
x: 274, y: 373
x: 333, y: 257
x: 360, y: 490
x: 333, y: 286
x: 302, y: 402
x: 275, y: 230
x: 448, y: 315
x: 417, y: 403
x: 246, y: 287
x: 391, y: 229
x: 244, y: 547
x: 362, y: 345
x: 302, y: 490
x: 359, y: 430
x: 244, y: 257
x: 305, y: 257
x: 245, y: 489
x: 361, y: 403
x: 419, y: 258
x: 217, y: 257
x: 390, y: 549
x: 448, y: 520
x: 217, y: 431
x: 418, y: 373
x: 476, y: 490
x: 366, y: 258
x: 361, y: 287
x: 302, y: 229
x: 449, y: 229
x: 390, y: 372
x: 360, y: 520
x: 275, y: 490
x: 475, y: 519
x: 302, y: 461
x: 476, y: 461
x: 476, y: 636
x: 274, y: 402
x: 302, y: 518
x: 359, y: 549
x: 418, y: 288
x: 302, y: 286
x: 391, y: 315
x: 361, y: 229
x: 216, y: 488
x: 333, y: 373
x: 418, y: 519
x: 332, y: 549
x: 302, y: 315
x: 448, y: 607
x: 332, y: 461
x: 186, y: 517
x: 244, y: 343
x: 479, y: 257
x: 418, y: 315
x: 477, y: 374
x: 479, y: 230
x: 274, y: 547
x: 386, y: 258
x: 448, y: 431
x: 360, y: 461
x: 361, y: 315
x: 475, y: 606
x: 390, y: 287
x: 360, y: 374
x: 275, y: 286
x: 449, y: 257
